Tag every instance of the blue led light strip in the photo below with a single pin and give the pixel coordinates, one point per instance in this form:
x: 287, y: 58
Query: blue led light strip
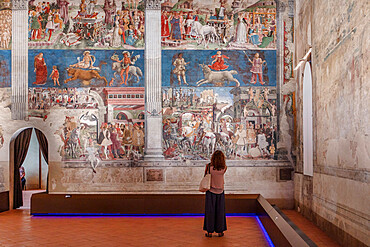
x: 264, y: 232
x: 136, y: 215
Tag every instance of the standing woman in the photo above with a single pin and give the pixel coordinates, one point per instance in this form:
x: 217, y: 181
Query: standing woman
x: 215, y: 218
x: 40, y: 69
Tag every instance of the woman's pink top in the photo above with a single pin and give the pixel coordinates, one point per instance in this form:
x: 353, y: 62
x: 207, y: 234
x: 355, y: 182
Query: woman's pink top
x: 217, y: 180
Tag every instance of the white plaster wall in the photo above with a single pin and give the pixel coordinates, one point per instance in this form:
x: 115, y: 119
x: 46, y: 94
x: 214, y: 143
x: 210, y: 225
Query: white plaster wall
x: 339, y: 190
x: 253, y: 177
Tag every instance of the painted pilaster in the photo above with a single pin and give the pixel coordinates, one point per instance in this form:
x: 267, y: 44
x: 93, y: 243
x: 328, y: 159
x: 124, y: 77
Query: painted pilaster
x: 19, y: 71
x: 153, y: 81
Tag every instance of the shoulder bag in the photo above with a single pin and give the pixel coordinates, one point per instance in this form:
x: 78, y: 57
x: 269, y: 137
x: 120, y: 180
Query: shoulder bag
x: 205, y: 184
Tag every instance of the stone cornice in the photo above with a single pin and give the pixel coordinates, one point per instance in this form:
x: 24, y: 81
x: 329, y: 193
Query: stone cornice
x: 153, y: 4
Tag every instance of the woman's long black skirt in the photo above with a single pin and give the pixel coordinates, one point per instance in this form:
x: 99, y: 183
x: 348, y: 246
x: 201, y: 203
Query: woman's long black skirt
x: 215, y: 218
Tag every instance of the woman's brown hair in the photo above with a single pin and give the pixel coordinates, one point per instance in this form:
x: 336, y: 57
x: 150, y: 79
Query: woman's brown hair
x: 218, y: 160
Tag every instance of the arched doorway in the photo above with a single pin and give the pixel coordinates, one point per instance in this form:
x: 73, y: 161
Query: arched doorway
x: 19, y: 146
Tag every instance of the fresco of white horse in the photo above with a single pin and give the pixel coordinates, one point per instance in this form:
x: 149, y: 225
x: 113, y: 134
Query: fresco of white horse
x: 204, y: 33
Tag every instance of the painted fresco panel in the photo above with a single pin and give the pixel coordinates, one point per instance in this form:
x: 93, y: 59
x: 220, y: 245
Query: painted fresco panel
x: 222, y: 68
x: 81, y: 24
x: 5, y: 68
x: 240, y: 121
x: 85, y: 140
x: 225, y: 24
x: 75, y: 68
x: 107, y: 123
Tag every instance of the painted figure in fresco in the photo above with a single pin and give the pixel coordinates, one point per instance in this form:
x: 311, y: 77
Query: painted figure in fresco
x: 165, y: 28
x: 188, y: 21
x: 131, y: 37
x: 55, y: 75
x: 40, y: 69
x: 256, y: 70
x: 254, y: 36
x: 109, y: 9
x: 180, y: 68
x: 92, y: 158
x: 86, y: 63
x: 82, y: 12
x: 126, y: 62
x: 50, y: 26
x: 262, y: 143
x: 266, y: 92
x: 239, y: 140
x: 35, y: 26
x: 221, y: 12
x: 63, y: 11
x: 58, y: 23
x: 104, y: 139
x: 116, y: 145
x: 116, y: 40
x: 251, y: 94
x: 175, y: 27
x: 90, y: 6
x: 126, y: 65
x: 241, y: 30
x: 4, y: 37
x: 69, y: 134
x: 272, y: 150
x: 5, y: 28
x: 138, y: 138
x: 219, y: 62
x: 251, y: 136
x: 126, y: 138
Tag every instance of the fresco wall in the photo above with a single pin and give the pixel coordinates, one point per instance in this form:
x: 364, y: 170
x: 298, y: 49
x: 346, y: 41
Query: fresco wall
x: 225, y: 24
x: 219, y: 79
x: 5, y: 43
x: 91, y: 105
x: 86, y: 62
x: 5, y: 69
x: 79, y: 24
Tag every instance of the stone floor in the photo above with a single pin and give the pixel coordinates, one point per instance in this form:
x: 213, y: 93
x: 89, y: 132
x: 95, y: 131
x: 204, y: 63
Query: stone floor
x: 312, y: 231
x: 18, y: 228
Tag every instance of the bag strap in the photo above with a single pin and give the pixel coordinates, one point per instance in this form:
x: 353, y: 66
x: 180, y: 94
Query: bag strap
x: 209, y: 168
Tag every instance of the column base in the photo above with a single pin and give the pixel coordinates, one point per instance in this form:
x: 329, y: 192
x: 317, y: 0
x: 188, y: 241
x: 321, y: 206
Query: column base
x: 153, y: 157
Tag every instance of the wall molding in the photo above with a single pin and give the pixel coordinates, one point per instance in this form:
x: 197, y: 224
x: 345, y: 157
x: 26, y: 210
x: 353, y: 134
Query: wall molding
x: 336, y: 233
x: 360, y: 175
x: 169, y: 163
x: 346, y: 212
